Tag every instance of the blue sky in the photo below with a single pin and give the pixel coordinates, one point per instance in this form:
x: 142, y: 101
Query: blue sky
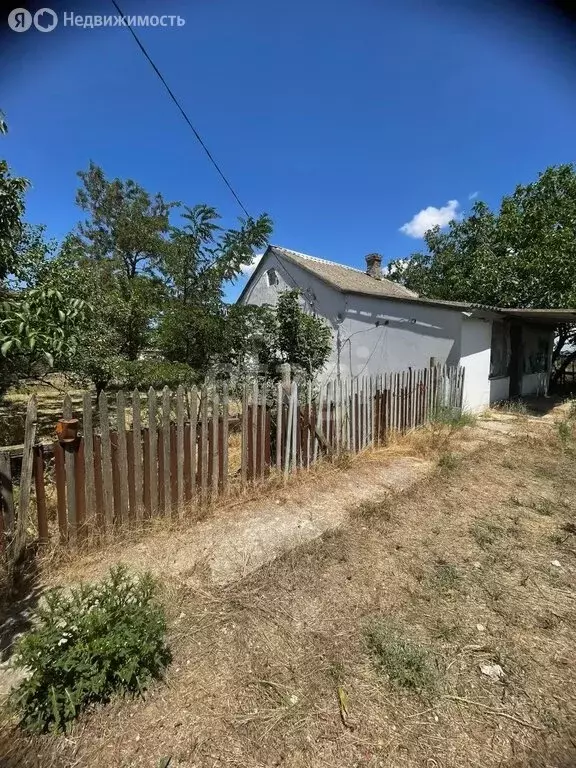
x: 342, y: 120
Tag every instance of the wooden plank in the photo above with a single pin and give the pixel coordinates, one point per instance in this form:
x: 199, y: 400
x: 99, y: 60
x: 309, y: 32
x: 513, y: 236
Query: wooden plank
x: 122, y: 457
x: 146, y: 473
x: 318, y: 420
x: 308, y: 423
x: 296, y: 421
x: 193, y: 442
x: 166, y: 397
x: 254, y: 428
x: 70, y: 461
x: 153, y: 452
x: 80, y: 488
x: 215, y: 453
x: 130, y: 438
x: 174, y: 509
x: 347, y: 400
x: 204, y: 446
x: 262, y: 430
x: 106, y: 455
x: 98, y: 489
x: 244, y: 436
x: 88, y: 436
x: 180, y: 447
x: 7, y: 492
x: 60, y: 478
x: 187, y: 467
x: 40, y: 492
x: 279, y: 416
x: 137, y: 453
x: 161, y: 476
x: 289, y: 430
x: 116, y: 487
x: 224, y: 445
x: 353, y: 413
x: 267, y: 442
x: 327, y: 430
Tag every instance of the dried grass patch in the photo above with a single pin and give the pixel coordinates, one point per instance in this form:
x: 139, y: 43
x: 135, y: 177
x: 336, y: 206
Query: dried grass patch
x: 274, y: 670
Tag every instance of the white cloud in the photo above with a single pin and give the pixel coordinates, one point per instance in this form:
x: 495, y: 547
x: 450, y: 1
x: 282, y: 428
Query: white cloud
x: 429, y: 217
x: 473, y: 195
x: 247, y: 269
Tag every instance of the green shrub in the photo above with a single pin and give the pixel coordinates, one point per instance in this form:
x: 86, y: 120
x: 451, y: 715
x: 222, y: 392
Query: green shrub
x: 96, y: 641
x: 143, y: 374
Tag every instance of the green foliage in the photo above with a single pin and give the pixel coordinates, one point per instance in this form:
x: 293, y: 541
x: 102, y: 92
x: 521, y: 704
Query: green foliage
x: 523, y: 255
x: 12, y: 191
x: 153, y: 373
x: 405, y: 663
x: 99, y: 640
x: 196, y: 327
x: 304, y: 340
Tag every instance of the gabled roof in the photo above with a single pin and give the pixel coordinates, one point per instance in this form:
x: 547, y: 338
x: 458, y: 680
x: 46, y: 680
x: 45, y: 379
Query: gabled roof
x: 344, y: 278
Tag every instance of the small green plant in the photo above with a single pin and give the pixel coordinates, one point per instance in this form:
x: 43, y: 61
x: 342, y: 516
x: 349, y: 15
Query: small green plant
x: 543, y: 507
x: 448, y: 461
x: 515, y: 407
x: 453, y: 417
x: 405, y: 663
x: 97, y: 641
x: 373, y: 510
x: 446, y: 577
x: 564, y: 432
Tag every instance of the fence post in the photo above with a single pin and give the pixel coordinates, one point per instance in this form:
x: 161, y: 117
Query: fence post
x: 19, y: 541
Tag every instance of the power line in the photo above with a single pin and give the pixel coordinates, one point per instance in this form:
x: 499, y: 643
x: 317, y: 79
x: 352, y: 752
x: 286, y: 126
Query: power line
x: 182, y: 112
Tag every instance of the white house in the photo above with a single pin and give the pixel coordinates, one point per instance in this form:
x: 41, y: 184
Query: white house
x: 379, y: 326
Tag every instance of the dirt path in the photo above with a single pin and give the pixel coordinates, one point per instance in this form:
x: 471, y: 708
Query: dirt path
x: 240, y: 538
x: 474, y: 570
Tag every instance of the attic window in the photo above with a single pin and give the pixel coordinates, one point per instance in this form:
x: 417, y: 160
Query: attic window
x: 272, y: 276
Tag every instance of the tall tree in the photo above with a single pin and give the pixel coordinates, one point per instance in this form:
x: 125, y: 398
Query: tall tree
x: 523, y: 255
x: 196, y: 327
x: 125, y: 234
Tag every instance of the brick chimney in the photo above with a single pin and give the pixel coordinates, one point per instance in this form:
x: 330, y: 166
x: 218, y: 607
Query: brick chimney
x: 374, y: 265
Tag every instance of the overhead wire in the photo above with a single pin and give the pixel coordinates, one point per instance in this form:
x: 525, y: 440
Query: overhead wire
x: 182, y: 111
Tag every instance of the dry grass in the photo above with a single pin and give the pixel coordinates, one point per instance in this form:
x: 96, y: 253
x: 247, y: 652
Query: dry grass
x: 301, y: 664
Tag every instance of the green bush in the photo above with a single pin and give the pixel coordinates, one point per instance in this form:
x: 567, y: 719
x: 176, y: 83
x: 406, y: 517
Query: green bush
x: 406, y: 664
x: 142, y: 374
x: 94, y: 642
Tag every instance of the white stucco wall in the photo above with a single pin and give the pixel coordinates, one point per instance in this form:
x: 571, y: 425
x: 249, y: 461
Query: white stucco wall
x: 475, y: 358
x: 374, y: 335
x: 499, y: 389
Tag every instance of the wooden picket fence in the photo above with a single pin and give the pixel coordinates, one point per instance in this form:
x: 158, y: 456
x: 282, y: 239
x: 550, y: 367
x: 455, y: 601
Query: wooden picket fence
x: 126, y: 460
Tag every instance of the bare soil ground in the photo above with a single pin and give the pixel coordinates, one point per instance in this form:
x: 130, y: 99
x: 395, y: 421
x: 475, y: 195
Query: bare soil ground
x: 473, y: 566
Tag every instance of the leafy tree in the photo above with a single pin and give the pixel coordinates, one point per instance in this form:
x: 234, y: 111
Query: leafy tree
x: 125, y: 234
x: 523, y: 255
x: 304, y: 340
x: 196, y: 326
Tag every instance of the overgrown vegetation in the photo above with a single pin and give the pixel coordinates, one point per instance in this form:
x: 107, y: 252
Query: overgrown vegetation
x: 96, y: 641
x: 135, y: 294
x: 404, y: 662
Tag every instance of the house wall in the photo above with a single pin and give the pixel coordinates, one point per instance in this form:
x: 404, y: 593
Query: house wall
x: 370, y: 335
x: 537, y: 343
x: 475, y: 358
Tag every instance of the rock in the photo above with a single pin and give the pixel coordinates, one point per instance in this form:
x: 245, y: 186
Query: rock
x: 480, y: 627
x: 493, y: 671
x: 556, y: 563
x: 477, y: 564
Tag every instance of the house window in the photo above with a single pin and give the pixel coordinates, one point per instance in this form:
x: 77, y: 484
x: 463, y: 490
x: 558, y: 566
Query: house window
x: 499, y: 351
x: 272, y: 276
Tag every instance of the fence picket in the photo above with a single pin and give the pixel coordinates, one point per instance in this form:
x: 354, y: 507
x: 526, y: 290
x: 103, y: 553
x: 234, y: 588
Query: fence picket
x: 166, y: 428
x: 137, y: 456
x: 213, y: 481
x: 152, y: 452
x: 225, y: 439
x: 244, y: 436
x: 70, y: 468
x: 88, y: 438
x: 193, y: 443
x: 180, y: 448
x: 289, y: 430
x: 122, y: 455
x: 40, y: 493
x: 262, y: 430
x: 279, y: 414
x: 106, y: 459
x: 7, y: 493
